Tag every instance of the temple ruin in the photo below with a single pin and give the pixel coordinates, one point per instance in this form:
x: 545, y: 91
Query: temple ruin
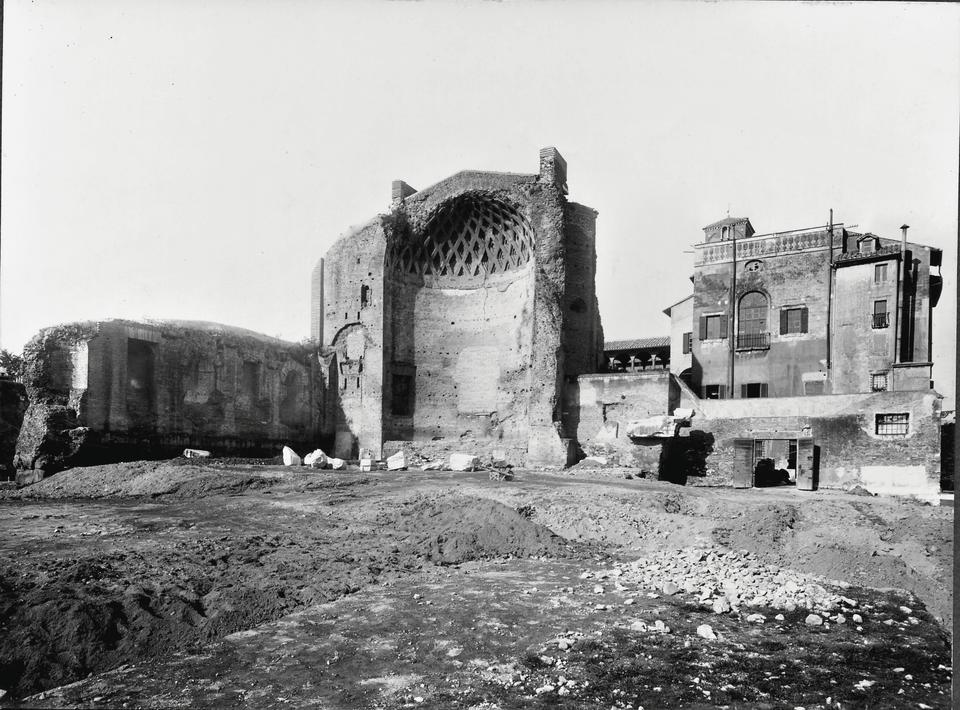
x: 462, y: 317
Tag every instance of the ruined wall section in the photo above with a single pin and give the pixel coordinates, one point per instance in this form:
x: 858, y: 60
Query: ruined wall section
x: 354, y: 307
x: 582, y: 327
x: 608, y: 402
x: 458, y: 344
x: 13, y: 405
x: 115, y: 390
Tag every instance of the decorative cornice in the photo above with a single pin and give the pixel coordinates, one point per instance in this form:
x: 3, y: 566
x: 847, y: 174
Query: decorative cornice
x: 754, y: 247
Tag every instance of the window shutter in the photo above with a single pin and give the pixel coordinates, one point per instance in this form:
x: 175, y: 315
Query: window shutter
x: 721, y: 391
x: 783, y: 322
x: 703, y: 327
x: 743, y: 391
x: 803, y: 320
x: 763, y: 389
x: 723, y: 326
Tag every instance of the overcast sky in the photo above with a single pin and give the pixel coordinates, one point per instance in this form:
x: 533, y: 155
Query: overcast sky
x: 194, y: 159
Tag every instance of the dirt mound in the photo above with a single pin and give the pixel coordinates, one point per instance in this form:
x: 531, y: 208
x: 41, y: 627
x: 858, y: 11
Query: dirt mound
x: 176, y: 478
x: 456, y: 529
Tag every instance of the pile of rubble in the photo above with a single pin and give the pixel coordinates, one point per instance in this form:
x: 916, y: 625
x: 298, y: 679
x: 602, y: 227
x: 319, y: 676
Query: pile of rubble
x: 397, y: 462
x: 729, y: 580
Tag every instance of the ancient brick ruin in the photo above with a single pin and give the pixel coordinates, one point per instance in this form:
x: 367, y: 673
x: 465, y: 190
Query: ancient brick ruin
x: 459, y: 318
x: 115, y: 390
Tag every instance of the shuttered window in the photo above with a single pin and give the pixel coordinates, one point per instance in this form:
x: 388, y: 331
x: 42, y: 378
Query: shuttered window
x: 752, y: 390
x: 793, y: 320
x: 714, y: 391
x: 713, y: 327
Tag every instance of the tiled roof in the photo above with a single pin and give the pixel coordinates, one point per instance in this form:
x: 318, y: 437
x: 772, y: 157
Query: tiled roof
x: 638, y: 343
x: 726, y: 221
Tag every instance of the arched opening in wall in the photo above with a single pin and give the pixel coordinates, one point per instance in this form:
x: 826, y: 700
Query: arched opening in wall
x: 364, y: 296
x: 686, y: 377
x: 752, y: 315
x: 292, y: 388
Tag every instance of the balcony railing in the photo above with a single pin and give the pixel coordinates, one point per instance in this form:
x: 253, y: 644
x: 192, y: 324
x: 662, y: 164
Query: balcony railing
x: 881, y: 320
x: 753, y: 341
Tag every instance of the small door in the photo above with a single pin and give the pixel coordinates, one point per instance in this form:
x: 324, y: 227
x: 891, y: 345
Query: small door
x: 743, y: 463
x: 806, y: 465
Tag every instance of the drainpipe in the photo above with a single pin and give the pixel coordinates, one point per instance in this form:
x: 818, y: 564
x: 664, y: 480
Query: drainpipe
x: 829, y: 291
x: 731, y: 332
x: 901, y: 294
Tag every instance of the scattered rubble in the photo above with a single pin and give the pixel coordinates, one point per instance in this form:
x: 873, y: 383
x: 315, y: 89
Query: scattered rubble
x: 729, y: 580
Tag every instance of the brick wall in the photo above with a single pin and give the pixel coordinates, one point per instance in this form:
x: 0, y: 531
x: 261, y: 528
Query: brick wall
x: 619, y: 398
x: 354, y: 307
x: 147, y: 389
x: 480, y: 355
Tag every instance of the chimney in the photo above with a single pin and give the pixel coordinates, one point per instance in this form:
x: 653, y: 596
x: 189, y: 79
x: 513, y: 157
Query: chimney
x: 553, y: 168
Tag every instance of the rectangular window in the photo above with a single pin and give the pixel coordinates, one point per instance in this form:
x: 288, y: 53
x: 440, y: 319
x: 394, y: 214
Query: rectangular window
x: 793, y: 320
x: 687, y: 343
x: 881, y: 319
x: 713, y: 327
x: 879, y: 273
x: 713, y: 391
x: 402, y: 405
x: 878, y: 382
x: 753, y: 390
x: 893, y: 424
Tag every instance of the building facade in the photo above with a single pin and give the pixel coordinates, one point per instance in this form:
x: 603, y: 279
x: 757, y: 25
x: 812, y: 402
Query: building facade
x: 813, y: 311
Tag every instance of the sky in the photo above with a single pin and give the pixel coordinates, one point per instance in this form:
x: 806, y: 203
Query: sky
x: 193, y: 160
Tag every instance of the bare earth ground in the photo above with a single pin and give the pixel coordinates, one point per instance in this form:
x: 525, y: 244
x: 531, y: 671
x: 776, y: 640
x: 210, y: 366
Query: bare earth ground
x: 226, y: 584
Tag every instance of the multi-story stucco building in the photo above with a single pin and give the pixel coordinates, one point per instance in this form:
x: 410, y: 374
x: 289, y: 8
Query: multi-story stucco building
x: 823, y: 310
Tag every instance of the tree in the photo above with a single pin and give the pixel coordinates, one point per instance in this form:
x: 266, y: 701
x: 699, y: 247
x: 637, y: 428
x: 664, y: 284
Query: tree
x: 11, y: 365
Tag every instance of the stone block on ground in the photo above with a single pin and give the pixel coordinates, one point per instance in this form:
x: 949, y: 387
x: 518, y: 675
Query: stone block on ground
x: 290, y: 457
x: 650, y: 427
x: 434, y: 465
x: 463, y: 462
x: 316, y: 458
x: 337, y: 464
x: 397, y: 462
x: 196, y: 454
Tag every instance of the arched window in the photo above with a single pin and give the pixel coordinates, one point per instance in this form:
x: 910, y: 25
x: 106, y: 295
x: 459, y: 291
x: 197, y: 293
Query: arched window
x: 752, y: 322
